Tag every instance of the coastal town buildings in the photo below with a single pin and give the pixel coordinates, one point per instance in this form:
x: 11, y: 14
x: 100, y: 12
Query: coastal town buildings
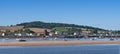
x: 42, y: 32
x: 19, y: 31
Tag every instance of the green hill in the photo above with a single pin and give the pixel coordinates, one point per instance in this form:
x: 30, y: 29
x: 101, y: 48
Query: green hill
x: 63, y: 27
x: 69, y: 30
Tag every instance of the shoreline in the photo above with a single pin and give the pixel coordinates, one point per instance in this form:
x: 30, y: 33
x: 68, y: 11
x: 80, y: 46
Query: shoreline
x: 50, y: 43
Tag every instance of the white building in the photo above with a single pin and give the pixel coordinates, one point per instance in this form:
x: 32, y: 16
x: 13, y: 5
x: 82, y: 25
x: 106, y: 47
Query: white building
x: 3, y: 34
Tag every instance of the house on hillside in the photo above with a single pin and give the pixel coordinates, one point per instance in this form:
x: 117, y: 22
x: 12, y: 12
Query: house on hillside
x: 2, y: 34
x: 86, y: 32
x: 21, y: 31
x: 54, y: 33
x: 76, y: 33
x: 9, y: 30
x: 25, y: 34
x: 101, y: 32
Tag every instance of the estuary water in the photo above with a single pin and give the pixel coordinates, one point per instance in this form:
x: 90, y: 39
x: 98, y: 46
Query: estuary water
x: 50, y: 39
x: 69, y: 49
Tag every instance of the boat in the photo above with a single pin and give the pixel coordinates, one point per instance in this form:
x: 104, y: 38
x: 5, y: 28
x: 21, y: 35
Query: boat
x: 22, y: 40
x: 111, y: 39
x: 93, y: 39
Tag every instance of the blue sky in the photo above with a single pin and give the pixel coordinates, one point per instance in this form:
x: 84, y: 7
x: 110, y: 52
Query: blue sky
x: 97, y: 13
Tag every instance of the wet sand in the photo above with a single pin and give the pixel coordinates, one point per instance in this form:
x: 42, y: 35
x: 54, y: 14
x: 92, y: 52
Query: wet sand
x: 49, y: 43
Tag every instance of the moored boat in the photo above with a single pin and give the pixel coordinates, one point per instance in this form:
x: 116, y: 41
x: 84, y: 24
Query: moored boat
x: 22, y: 40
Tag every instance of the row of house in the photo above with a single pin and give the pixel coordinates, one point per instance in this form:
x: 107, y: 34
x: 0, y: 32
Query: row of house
x: 38, y: 31
x: 12, y: 29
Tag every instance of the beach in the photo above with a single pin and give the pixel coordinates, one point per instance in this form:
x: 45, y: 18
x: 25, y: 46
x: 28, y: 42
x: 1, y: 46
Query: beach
x: 49, y: 43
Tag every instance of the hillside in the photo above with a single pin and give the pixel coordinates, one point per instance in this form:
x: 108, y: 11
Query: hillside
x: 56, y: 26
x: 11, y: 28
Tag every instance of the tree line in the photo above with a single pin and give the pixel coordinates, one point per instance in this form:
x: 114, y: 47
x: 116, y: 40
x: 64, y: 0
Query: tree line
x: 39, y: 24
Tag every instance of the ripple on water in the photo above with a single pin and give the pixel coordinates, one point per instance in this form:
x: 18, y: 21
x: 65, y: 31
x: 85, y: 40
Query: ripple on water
x: 69, y: 49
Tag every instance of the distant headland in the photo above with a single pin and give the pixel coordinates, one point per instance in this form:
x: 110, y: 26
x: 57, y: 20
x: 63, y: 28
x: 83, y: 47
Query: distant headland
x: 42, y: 29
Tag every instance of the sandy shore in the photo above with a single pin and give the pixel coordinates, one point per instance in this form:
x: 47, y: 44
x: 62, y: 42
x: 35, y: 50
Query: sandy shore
x: 48, y: 43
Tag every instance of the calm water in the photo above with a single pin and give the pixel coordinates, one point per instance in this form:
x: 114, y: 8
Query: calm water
x: 50, y: 39
x: 71, y: 49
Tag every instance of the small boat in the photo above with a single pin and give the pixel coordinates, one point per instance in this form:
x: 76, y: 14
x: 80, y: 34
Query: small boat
x: 111, y: 39
x: 22, y: 40
x: 93, y: 39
